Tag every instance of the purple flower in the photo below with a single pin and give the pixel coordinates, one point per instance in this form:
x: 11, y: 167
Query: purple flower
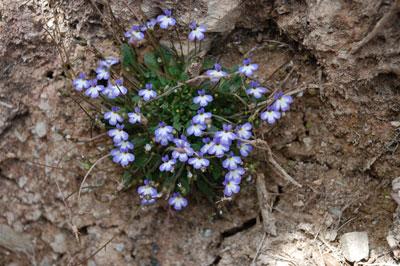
x: 124, y: 146
x: 149, y: 25
x: 81, y: 83
x: 197, y: 32
x: 177, y: 201
x: 270, y: 115
x: 108, y: 62
x: 226, y: 136
x: 113, y: 117
x: 168, y: 165
x: 203, y: 99
x: 232, y: 162
x: 244, y: 131
x: 147, y: 193
x: 217, y: 148
x: 235, y: 175
x: 102, y: 73
x: 231, y: 187
x: 148, y: 93
x: 207, y: 145
x: 216, y: 74
x: 113, y: 91
x: 122, y: 157
x: 201, y: 117
x: 245, y: 149
x: 199, y: 162
x: 166, y: 20
x: 118, y: 134
x: 247, y: 68
x: 163, y: 134
x: 94, y: 90
x: 256, y: 90
x: 182, y: 151
x: 196, y: 129
x: 282, y: 102
x: 134, y: 34
x: 135, y: 117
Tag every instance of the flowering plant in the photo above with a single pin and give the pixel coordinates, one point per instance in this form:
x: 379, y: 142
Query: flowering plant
x: 174, y: 131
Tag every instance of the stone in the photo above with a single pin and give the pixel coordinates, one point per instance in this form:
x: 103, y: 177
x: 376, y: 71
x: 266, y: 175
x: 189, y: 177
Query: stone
x: 22, y: 181
x: 395, y: 123
x: 221, y: 15
x: 40, y: 129
x: 355, y: 246
x: 119, y: 247
x: 59, y: 245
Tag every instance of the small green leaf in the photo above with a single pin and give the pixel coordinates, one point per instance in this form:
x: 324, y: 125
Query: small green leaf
x: 150, y: 60
x: 128, y: 56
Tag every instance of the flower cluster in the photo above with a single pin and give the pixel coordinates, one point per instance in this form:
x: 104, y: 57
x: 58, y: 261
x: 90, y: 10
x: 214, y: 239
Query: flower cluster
x: 174, y: 135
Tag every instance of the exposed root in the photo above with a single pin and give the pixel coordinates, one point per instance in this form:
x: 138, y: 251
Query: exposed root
x: 378, y: 27
x: 261, y: 144
x: 264, y: 198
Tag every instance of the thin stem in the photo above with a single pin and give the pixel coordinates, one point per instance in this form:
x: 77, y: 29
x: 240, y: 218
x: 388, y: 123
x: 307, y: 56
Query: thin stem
x: 88, y: 172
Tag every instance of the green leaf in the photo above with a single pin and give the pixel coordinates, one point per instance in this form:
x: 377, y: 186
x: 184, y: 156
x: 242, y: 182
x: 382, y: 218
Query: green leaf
x: 127, y: 179
x: 208, y: 63
x: 150, y: 60
x: 140, y: 160
x: 128, y: 56
x: 205, y: 189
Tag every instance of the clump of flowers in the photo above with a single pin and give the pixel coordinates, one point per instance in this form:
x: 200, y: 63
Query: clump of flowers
x: 173, y: 137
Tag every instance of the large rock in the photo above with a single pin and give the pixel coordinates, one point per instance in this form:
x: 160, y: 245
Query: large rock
x: 355, y: 246
x: 218, y: 15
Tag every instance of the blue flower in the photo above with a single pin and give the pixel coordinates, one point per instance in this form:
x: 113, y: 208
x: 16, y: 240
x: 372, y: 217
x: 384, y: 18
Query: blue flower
x: 282, y: 102
x: 134, y: 34
x: 235, y: 175
x: 163, y: 134
x: 203, y: 99
x: 196, y: 129
x: 197, y: 32
x: 247, y: 68
x: 207, y: 145
x: 217, y: 148
x: 149, y: 25
x: 216, y: 74
x: 118, y: 134
x: 270, y: 115
x: 166, y: 20
x: 201, y: 117
x: 199, y: 162
x: 112, y: 91
x: 147, y: 193
x: 94, y: 90
x: 244, y: 148
x: 122, y: 157
x: 256, y: 90
x: 113, y: 117
x: 225, y: 136
x: 81, y: 83
x: 231, y: 187
x: 125, y: 146
x: 102, y: 73
x: 135, y: 117
x: 177, y: 201
x: 244, y: 131
x: 182, y: 151
x: 168, y: 165
x: 232, y: 162
x: 108, y: 62
x: 148, y: 93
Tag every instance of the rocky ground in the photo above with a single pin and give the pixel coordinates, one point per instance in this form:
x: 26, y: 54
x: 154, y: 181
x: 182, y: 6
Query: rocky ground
x: 339, y: 142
